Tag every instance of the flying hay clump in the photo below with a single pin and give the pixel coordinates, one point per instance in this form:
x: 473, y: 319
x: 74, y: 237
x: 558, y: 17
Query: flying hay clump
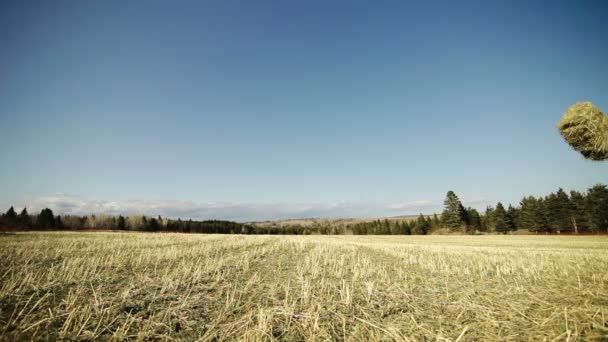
x: 585, y: 128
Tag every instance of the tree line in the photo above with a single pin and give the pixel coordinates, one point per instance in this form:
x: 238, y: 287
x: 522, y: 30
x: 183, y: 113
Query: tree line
x: 46, y: 220
x: 558, y: 212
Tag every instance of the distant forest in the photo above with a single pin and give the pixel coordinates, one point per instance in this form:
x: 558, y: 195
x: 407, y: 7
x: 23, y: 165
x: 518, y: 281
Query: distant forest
x: 559, y: 212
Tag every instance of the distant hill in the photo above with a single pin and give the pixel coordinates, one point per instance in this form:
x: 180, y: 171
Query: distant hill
x: 308, y: 222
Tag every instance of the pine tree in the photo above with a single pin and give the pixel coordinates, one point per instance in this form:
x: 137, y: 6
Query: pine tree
x: 436, y: 222
x: 452, y: 216
x: 465, y: 218
x: 597, y: 202
x: 396, y: 228
x: 46, y: 219
x: 488, y: 220
x: 153, y: 225
x: 512, y: 217
x: 121, y: 223
x: 24, y: 219
x: 558, y: 211
x: 541, y: 216
x: 385, y: 228
x: 475, y: 219
x: 579, y: 214
x: 533, y: 214
x: 422, y: 226
x: 526, y: 217
x: 501, y: 225
x: 10, y: 217
x: 407, y: 228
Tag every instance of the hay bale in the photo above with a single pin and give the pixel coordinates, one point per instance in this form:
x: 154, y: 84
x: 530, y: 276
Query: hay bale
x: 585, y: 128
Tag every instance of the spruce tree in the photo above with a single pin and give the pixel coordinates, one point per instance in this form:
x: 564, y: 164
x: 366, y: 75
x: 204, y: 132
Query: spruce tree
x: 385, y: 227
x: 475, y: 219
x: 24, y: 219
x: 46, y: 219
x: 526, y: 216
x: 121, y: 223
x: 436, y: 222
x: 488, y: 220
x: 557, y: 206
x: 512, y: 217
x: 500, y: 215
x: 396, y: 228
x: 422, y: 226
x: 465, y: 218
x: 597, y: 202
x: 541, y: 216
x: 10, y: 217
x: 153, y: 225
x: 407, y: 228
x: 452, y: 216
x: 579, y: 215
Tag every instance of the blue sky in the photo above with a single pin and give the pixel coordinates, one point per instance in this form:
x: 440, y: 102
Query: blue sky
x: 275, y: 109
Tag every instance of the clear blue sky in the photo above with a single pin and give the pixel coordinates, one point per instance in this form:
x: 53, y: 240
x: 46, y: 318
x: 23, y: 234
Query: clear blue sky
x: 327, y: 103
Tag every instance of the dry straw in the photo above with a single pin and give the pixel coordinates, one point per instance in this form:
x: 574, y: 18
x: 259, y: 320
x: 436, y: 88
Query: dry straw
x: 194, y: 287
x: 585, y: 128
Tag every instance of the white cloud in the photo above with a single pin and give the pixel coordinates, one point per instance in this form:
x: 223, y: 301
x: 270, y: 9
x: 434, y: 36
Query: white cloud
x: 68, y: 204
x: 421, y: 204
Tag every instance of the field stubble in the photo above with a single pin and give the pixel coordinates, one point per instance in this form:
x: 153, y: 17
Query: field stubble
x: 206, y: 287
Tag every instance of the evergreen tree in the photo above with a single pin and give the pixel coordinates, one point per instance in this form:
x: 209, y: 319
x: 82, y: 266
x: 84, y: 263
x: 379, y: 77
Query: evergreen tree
x: 436, y: 222
x: 413, y: 227
x: 422, y: 226
x: 500, y: 216
x: 465, y: 218
x: 557, y: 207
x: 406, y: 228
x: 526, y: 217
x: 597, y: 202
x: 10, y: 217
x: 10, y: 213
x: 512, y: 217
x: 24, y: 219
x: 46, y: 219
x: 385, y: 228
x: 542, y: 216
x: 452, y: 216
x: 533, y: 214
x: 121, y: 223
x: 153, y: 225
x: 579, y: 214
x: 488, y: 220
x: 396, y: 228
x: 475, y: 219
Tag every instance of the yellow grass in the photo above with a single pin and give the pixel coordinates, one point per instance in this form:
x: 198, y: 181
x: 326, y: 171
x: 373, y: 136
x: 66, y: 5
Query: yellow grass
x: 407, y: 288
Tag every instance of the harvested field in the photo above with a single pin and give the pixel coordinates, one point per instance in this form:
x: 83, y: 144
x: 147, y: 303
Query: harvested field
x: 105, y: 285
